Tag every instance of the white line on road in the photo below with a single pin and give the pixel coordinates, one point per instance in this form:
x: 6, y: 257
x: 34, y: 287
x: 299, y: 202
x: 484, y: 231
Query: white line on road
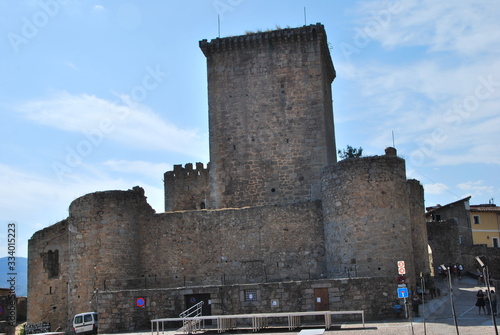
x: 467, y: 311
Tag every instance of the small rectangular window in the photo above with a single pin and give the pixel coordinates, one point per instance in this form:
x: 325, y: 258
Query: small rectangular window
x: 476, y: 219
x: 250, y: 295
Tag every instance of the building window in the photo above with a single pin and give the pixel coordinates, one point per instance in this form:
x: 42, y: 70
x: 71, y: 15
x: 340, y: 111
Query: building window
x: 250, y: 295
x: 438, y: 217
x: 51, y: 263
x: 476, y: 219
x: 495, y: 242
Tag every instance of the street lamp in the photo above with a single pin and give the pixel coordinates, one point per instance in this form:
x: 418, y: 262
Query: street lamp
x: 486, y: 277
x: 451, y: 297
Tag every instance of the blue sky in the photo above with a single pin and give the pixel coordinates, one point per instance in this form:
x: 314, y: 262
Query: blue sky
x: 105, y: 95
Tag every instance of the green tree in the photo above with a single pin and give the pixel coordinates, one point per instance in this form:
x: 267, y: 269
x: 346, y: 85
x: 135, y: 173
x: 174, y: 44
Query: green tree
x: 350, y: 152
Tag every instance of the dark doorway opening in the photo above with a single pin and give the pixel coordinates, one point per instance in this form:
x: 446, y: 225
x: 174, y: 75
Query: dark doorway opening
x: 206, y: 309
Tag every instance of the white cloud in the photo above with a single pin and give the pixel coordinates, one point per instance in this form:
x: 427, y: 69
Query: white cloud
x: 467, y: 27
x: 477, y: 188
x: 98, y: 7
x: 436, y: 188
x: 417, y: 98
x: 432, y: 111
x: 35, y: 201
x: 123, y: 120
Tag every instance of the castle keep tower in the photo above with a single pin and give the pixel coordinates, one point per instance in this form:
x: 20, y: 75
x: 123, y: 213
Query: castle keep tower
x: 270, y: 115
x: 272, y: 224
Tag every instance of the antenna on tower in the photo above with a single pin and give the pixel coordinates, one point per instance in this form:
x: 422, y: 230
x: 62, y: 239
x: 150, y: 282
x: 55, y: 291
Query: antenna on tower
x: 218, y: 24
x: 305, y: 17
x: 393, y: 143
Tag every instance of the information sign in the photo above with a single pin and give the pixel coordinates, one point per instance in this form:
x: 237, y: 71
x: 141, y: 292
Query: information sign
x: 403, y: 292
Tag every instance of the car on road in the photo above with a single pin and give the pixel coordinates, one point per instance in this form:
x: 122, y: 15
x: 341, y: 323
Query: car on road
x: 86, y: 323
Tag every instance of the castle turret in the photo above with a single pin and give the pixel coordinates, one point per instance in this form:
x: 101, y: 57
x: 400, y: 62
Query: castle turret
x: 270, y: 114
x: 186, y: 188
x: 104, y: 244
x: 367, y: 221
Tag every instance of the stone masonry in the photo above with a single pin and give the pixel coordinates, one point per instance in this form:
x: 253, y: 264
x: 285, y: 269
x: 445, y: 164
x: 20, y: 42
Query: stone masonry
x: 270, y: 113
x: 186, y: 188
x: 272, y: 224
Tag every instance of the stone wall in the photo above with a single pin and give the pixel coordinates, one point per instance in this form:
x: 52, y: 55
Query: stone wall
x: 418, y: 226
x: 257, y: 244
x: 458, y: 211
x: 270, y: 116
x: 444, y: 242
x: 490, y: 255
x: 47, y: 275
x: 375, y: 296
x: 272, y: 225
x: 367, y: 217
x: 115, y: 242
x: 186, y: 188
x: 103, y: 243
x: 70, y: 261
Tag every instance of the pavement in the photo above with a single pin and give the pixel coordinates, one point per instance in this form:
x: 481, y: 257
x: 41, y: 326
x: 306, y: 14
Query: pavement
x: 436, y: 317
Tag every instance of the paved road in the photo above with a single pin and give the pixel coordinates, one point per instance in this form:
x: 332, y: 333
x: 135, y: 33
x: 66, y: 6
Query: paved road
x: 438, y: 318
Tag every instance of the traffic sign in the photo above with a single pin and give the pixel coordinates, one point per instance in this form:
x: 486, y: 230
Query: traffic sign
x: 403, y: 292
x: 140, y: 302
x: 401, y: 267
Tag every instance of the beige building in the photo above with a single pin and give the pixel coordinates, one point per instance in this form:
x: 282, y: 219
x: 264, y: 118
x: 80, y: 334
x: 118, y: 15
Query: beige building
x: 477, y: 224
x: 485, y: 224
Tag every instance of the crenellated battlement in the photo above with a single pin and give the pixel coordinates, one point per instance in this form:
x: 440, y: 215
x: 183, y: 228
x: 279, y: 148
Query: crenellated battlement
x: 254, y: 40
x: 186, y: 187
x: 187, y: 171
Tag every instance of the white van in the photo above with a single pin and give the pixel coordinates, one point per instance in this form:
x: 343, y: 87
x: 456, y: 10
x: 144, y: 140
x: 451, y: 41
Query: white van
x: 86, y: 323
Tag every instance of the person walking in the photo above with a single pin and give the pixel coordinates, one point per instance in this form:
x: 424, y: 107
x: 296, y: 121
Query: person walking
x: 460, y: 271
x: 480, y: 301
x: 415, y: 302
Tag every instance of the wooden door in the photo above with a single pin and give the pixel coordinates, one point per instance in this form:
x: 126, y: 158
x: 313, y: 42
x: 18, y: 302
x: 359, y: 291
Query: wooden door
x: 321, y: 302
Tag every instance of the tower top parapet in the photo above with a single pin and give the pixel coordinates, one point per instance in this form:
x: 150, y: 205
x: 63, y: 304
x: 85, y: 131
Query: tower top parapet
x: 187, y: 170
x: 313, y: 32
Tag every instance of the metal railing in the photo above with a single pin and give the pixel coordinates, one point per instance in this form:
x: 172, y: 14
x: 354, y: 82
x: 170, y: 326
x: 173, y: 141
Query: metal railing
x: 190, y: 326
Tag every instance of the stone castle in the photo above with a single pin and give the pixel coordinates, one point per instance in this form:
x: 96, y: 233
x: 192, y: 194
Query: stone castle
x: 272, y: 224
